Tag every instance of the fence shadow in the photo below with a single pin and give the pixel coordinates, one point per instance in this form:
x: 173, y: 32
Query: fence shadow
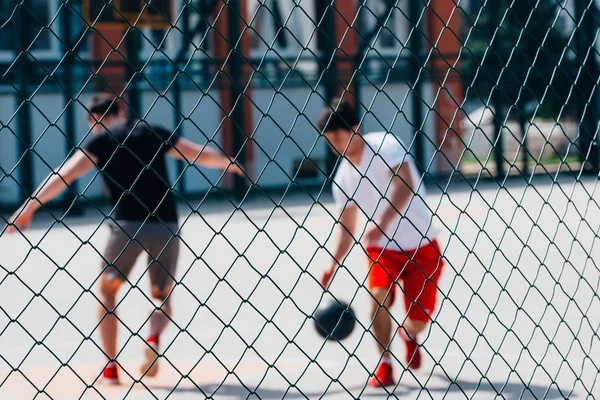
x: 440, y: 387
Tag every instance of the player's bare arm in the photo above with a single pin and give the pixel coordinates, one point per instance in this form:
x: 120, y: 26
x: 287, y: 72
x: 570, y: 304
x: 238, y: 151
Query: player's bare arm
x: 344, y: 241
x: 206, y: 156
x: 75, y: 167
x: 401, y: 190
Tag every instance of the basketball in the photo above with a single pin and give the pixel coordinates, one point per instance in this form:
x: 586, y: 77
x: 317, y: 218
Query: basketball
x: 334, y: 320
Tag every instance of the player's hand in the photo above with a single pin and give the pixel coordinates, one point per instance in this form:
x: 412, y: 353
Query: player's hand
x: 20, y: 219
x: 373, y: 235
x: 326, y: 276
x: 237, y: 169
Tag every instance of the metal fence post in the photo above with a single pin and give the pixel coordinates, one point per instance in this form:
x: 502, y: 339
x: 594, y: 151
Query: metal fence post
x: 132, y: 41
x: 588, y: 103
x: 24, y: 76
x: 328, y: 71
x: 70, y: 116
x: 236, y: 91
x: 522, y: 119
x: 417, y: 59
x: 497, y: 104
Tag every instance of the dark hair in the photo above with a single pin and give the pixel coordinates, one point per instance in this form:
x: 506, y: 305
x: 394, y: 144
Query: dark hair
x: 104, y: 104
x: 337, y: 116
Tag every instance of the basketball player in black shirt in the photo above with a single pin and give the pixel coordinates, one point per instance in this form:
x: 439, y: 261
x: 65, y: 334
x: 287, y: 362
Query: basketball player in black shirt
x: 131, y: 156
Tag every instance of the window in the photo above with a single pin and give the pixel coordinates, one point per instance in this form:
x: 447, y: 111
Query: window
x: 160, y: 44
x: 283, y: 29
x: 38, y: 16
x: 390, y: 17
x: 7, y: 25
x: 165, y: 39
x: 260, y: 32
x: 284, y: 25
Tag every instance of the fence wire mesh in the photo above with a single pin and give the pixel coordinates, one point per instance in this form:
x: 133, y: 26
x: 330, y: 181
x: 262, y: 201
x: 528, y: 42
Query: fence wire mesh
x: 212, y: 174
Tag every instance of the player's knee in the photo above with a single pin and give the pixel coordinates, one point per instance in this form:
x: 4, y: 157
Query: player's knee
x: 109, y: 287
x: 414, y: 326
x: 382, y: 297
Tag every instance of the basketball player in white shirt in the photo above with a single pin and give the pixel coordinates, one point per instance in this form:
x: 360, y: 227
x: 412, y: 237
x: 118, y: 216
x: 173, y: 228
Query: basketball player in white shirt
x: 378, y: 179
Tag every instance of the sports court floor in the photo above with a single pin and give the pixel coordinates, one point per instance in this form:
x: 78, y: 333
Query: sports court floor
x: 518, y: 314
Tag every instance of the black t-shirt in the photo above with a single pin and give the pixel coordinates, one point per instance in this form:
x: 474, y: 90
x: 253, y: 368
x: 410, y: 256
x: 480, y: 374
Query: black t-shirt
x: 132, y: 160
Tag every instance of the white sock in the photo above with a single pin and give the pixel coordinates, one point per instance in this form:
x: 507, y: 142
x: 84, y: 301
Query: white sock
x: 386, y: 358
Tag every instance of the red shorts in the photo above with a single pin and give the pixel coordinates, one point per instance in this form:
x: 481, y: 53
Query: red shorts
x: 419, y: 272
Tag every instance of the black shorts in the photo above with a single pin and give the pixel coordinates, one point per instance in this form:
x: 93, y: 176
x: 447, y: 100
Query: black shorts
x: 129, y: 239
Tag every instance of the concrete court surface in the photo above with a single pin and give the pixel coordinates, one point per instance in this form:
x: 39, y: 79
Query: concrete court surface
x: 518, y: 317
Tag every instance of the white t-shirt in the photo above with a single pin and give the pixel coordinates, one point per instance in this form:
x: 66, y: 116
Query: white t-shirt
x: 368, y: 185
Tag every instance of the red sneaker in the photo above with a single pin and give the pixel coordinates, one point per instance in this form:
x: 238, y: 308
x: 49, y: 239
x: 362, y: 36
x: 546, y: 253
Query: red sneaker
x: 110, y: 375
x: 413, y: 352
x: 384, y: 376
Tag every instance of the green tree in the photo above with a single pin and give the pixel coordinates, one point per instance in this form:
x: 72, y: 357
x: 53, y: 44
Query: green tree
x: 518, y: 46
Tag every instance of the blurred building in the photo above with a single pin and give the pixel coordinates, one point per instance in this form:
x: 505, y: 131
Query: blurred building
x: 296, y: 54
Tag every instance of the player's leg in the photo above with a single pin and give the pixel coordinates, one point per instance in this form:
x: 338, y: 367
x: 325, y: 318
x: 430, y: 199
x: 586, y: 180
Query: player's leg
x: 381, y: 277
x: 420, y: 294
x: 120, y: 254
x: 382, y: 321
x: 108, y: 322
x: 412, y: 327
x: 163, y: 247
x: 409, y: 332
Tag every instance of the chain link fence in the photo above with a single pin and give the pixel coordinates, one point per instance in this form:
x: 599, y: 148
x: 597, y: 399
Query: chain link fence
x: 212, y: 191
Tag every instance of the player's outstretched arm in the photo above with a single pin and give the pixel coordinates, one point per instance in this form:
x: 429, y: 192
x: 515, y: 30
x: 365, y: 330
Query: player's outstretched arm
x: 76, y: 166
x: 401, y: 191
x: 194, y: 153
x: 345, y: 240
